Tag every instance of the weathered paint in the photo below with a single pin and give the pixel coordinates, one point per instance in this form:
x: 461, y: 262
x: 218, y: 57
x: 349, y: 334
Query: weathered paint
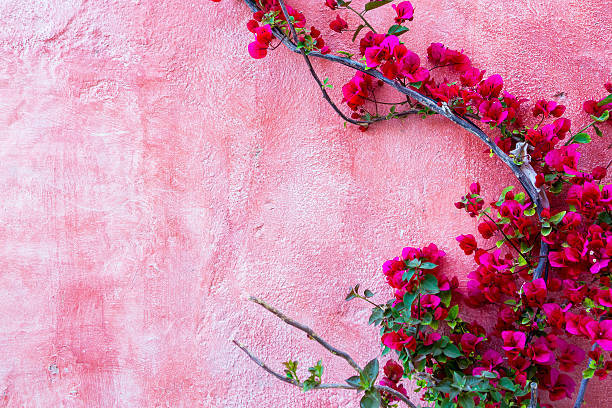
x: 154, y: 176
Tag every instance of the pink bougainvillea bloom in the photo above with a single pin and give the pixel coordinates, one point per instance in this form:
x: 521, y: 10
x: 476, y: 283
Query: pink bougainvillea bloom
x: 601, y: 333
x: 548, y: 108
x: 332, y: 4
x: 565, y: 156
x: 535, y: 292
x: 398, y: 340
x: 599, y: 172
x: 604, y: 297
x: 411, y: 67
x: 554, y: 315
x: 559, y: 385
x: 569, y: 356
x: 338, y: 24
x: 404, y: 11
x: 436, y: 53
x: 591, y: 107
x: 492, y: 111
x: 491, y: 87
x: 393, y: 371
x: 539, y: 353
x: 513, y: 340
x: 487, y: 228
x: 258, y: 50
x: 356, y: 90
x: 576, y: 324
x: 467, y: 243
x: 469, y: 342
x: 431, y: 338
x: 430, y: 301
x: 471, y: 77
x: 263, y: 37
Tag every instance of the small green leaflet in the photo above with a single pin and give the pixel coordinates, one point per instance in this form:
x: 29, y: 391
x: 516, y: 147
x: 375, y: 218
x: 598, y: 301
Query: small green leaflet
x: 376, y: 4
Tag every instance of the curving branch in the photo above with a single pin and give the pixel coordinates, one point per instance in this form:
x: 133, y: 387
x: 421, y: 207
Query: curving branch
x: 311, y: 334
x: 524, y: 172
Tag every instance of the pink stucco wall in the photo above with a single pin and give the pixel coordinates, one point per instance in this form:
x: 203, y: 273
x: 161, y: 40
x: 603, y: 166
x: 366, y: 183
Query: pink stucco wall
x: 153, y: 176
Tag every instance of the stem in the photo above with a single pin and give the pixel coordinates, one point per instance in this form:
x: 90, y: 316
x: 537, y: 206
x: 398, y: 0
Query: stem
x: 569, y: 141
x: 362, y: 18
x: 329, y: 348
x: 370, y: 302
x: 311, y: 334
x: 312, y: 70
x: 583, y: 384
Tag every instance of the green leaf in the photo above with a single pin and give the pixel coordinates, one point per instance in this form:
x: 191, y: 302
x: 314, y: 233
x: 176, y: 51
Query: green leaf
x: 605, y: 101
x: 603, y: 117
x: 466, y: 400
x: 346, y: 54
x: 368, y: 293
x: 502, y: 196
x: 354, y: 381
x: 370, y: 372
x: 427, y: 265
x: 530, y: 211
x: 582, y: 138
x: 353, y: 293
x: 598, y: 131
x: 357, y: 31
x: 376, y: 4
x: 488, y: 374
x: 397, y: 30
x: 556, y: 219
x: 445, y: 297
x: 414, y: 263
x: 507, y: 384
x: 453, y: 312
x: 409, y: 299
x: 451, y: 351
x: 371, y: 399
x: 408, y: 275
x: 430, y: 284
x: 376, y: 316
x: 588, y: 373
x: 546, y: 229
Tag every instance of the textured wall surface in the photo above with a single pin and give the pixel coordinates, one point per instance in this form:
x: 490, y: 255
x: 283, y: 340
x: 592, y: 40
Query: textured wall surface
x: 153, y: 176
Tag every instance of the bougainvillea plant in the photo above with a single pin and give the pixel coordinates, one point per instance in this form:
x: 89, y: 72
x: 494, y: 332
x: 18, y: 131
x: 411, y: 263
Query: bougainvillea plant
x: 546, y: 279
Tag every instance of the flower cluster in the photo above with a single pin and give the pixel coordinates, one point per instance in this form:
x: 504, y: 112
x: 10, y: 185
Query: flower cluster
x: 271, y: 16
x: 547, y: 276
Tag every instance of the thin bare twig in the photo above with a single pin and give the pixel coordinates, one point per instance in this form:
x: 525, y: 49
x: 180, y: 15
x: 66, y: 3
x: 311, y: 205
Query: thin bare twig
x: 314, y: 73
x: 279, y: 376
x: 311, y: 334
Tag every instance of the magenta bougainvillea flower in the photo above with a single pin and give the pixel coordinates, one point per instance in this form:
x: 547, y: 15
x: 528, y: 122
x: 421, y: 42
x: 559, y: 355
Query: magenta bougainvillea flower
x: 332, y: 4
x: 535, y: 292
x: 559, y: 385
x: 600, y: 333
x: 263, y: 37
x: 393, y: 374
x: 467, y: 243
x: 492, y: 111
x: 338, y: 25
x: 513, y: 341
x: 398, y: 340
x: 471, y: 77
x: 404, y: 11
x: 491, y: 87
x: 548, y: 108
